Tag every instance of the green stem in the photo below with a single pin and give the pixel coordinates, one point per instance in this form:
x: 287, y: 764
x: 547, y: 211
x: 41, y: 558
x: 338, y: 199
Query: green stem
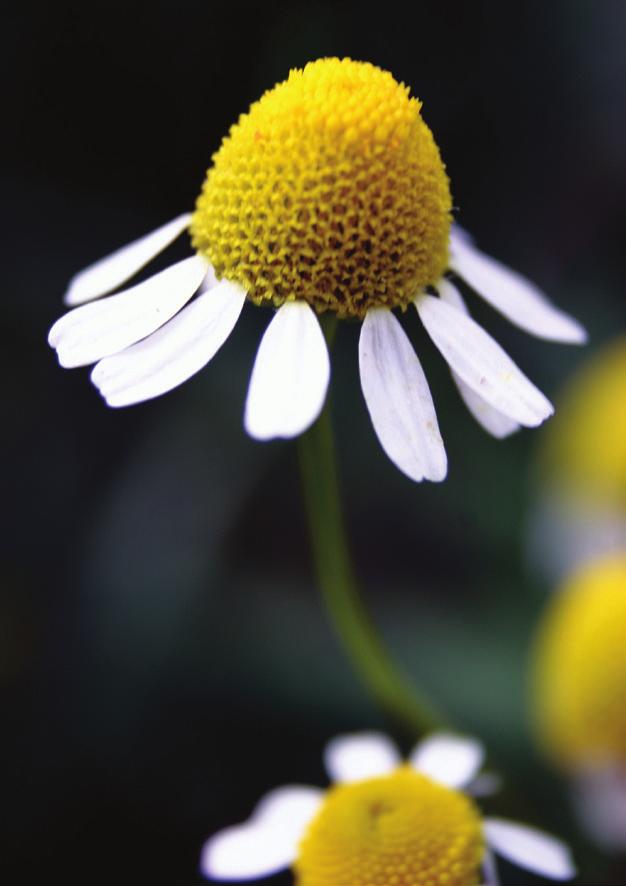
x: 351, y: 621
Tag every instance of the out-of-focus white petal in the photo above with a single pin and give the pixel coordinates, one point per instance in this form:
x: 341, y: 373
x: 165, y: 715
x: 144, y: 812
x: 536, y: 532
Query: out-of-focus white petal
x: 600, y: 800
x: 398, y: 399
x: 290, y: 375
x: 97, y: 330
x: 486, y: 784
x: 530, y: 848
x: 568, y: 529
x: 490, y: 870
x: 513, y: 295
x: 267, y: 842
x: 360, y: 756
x: 495, y: 423
x: 481, y: 362
x: 451, y: 760
x: 110, y: 272
x: 175, y: 352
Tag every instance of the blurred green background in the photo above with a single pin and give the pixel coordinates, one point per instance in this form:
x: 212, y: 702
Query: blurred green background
x: 164, y: 657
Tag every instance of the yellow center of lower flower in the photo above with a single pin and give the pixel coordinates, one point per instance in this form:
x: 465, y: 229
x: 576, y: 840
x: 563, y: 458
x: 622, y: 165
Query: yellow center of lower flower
x: 580, y: 668
x: 397, y: 830
x: 330, y: 189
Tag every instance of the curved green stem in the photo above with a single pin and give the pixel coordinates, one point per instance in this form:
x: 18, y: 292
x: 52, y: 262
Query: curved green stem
x: 351, y: 621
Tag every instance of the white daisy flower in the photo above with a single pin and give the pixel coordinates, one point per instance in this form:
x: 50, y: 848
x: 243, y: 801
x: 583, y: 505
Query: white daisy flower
x: 384, y: 821
x: 328, y: 196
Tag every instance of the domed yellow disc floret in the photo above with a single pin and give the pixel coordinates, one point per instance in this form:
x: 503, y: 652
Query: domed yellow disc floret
x: 397, y: 830
x: 580, y: 668
x: 330, y: 189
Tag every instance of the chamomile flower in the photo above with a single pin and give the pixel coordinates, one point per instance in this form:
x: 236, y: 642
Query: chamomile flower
x: 580, y: 512
x: 579, y: 692
x: 328, y: 196
x: 384, y: 821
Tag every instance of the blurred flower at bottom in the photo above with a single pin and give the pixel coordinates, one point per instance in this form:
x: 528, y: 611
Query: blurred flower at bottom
x: 581, y: 508
x: 579, y: 693
x: 384, y: 821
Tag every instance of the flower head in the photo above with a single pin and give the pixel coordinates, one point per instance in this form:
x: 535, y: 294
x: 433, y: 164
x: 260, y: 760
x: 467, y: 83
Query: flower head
x: 579, y: 697
x: 329, y: 195
x: 384, y: 821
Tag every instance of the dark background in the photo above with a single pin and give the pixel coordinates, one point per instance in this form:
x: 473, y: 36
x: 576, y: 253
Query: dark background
x: 164, y: 657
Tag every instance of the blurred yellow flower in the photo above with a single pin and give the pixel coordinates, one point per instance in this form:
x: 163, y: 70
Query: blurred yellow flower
x: 579, y: 690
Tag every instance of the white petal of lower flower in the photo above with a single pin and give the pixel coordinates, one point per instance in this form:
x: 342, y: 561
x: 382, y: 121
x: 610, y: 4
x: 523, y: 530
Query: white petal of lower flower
x: 290, y: 375
x: 513, y: 295
x: 486, y: 784
x: 494, y: 422
x: 267, y: 842
x: 108, y: 273
x: 175, y: 352
x: 360, y: 756
x: 450, y: 760
x: 481, y: 362
x: 530, y: 848
x: 398, y: 398
x: 600, y: 799
x: 98, y: 330
x: 490, y: 870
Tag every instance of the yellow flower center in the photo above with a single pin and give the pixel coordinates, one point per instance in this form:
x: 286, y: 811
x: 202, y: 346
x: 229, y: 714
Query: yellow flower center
x: 397, y: 830
x: 580, y: 668
x: 330, y: 189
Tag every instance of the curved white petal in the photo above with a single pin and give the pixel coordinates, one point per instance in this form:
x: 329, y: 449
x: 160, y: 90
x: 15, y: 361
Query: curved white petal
x: 450, y: 760
x: 490, y: 870
x: 110, y: 272
x: 175, y: 352
x: 494, y: 422
x: 486, y: 784
x: 458, y: 232
x: 481, y: 362
x: 600, y: 800
x: 530, y: 848
x: 362, y: 755
x: 267, y: 842
x: 513, y: 295
x: 398, y: 399
x: 290, y: 375
x: 97, y: 330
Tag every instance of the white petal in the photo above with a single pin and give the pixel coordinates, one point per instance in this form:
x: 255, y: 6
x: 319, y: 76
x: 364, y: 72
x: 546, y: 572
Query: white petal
x: 495, y: 423
x: 517, y: 298
x: 267, y: 842
x: 568, y: 530
x: 110, y: 272
x: 490, y: 870
x: 363, y: 755
x: 398, y: 399
x: 600, y: 800
x: 486, y: 784
x: 175, y: 352
x: 290, y: 375
x: 530, y: 848
x: 481, y: 362
x: 450, y: 760
x: 94, y: 331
